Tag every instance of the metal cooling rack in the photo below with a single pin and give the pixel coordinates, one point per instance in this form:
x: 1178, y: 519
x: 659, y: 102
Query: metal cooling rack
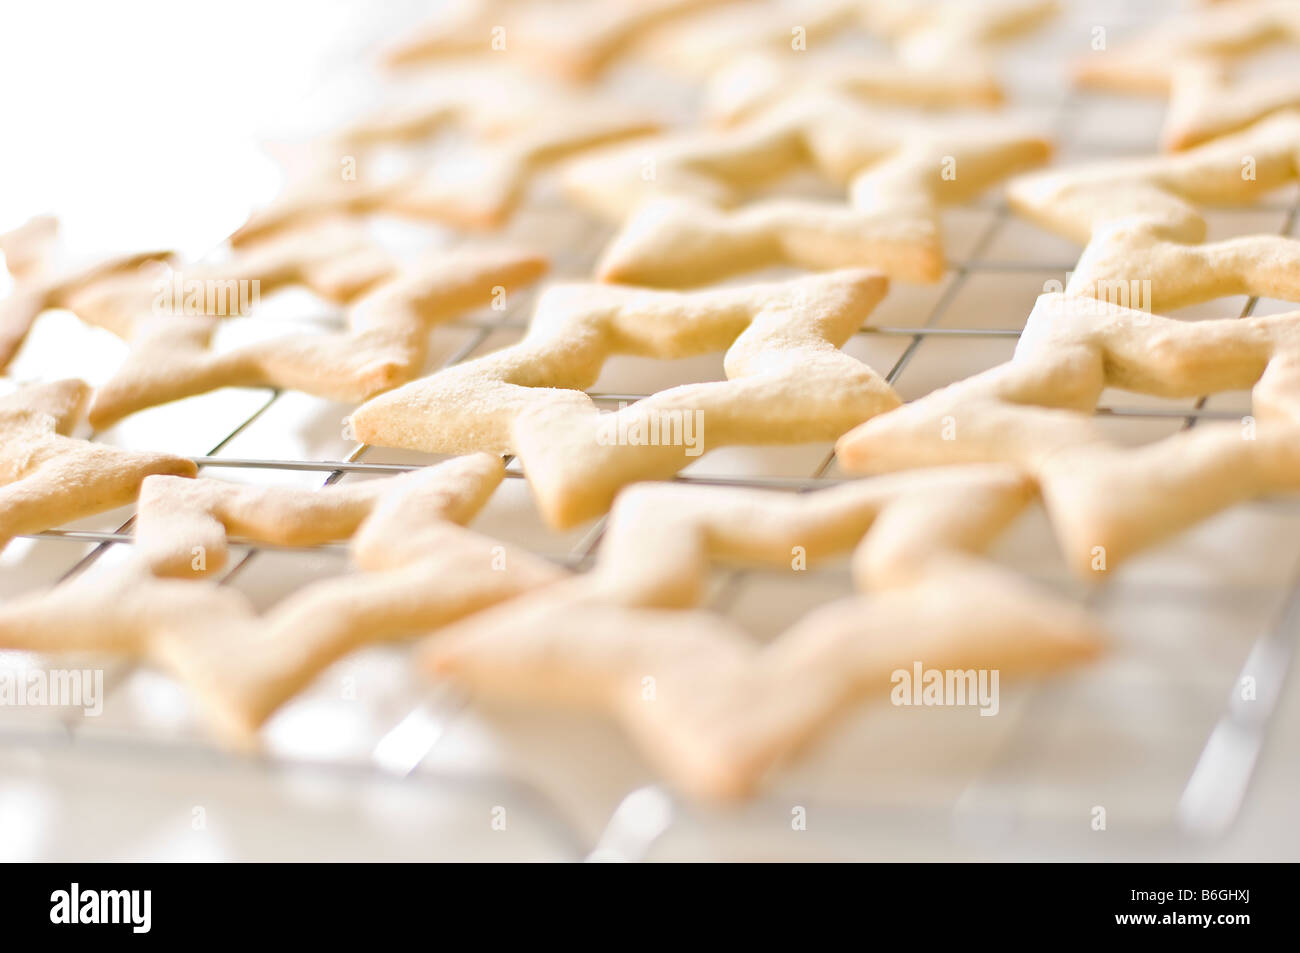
x: 650, y: 816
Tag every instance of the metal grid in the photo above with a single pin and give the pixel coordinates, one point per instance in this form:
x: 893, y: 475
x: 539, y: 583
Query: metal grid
x: 1209, y: 801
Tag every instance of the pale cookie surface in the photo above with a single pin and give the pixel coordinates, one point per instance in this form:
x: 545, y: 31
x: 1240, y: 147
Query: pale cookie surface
x: 384, y: 344
x: 575, y: 40
x: 40, y: 285
x: 1191, y: 60
x: 751, y: 83
x: 478, y: 187
x: 683, y: 197
x: 953, y: 33
x: 48, y: 478
x: 242, y: 666
x: 710, y: 708
x: 787, y: 382
x: 1142, y: 230
x: 1109, y: 502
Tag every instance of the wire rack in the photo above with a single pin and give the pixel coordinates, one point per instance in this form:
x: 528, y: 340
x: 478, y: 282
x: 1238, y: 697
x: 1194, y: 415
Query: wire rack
x: 1021, y: 793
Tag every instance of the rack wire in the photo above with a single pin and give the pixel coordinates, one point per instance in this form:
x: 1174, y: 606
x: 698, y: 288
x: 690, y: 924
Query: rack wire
x: 646, y: 816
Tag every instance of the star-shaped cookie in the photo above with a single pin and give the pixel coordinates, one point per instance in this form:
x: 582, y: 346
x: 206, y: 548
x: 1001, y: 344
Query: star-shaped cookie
x: 575, y: 40
x: 787, y: 382
x: 385, y: 343
x: 959, y: 34
x: 39, y: 285
x: 477, y: 187
x: 419, y: 570
x: 681, y: 199
x: 1108, y: 502
x: 1144, y: 235
x: 48, y: 478
x: 1191, y: 59
x: 751, y: 83
x: 708, y: 706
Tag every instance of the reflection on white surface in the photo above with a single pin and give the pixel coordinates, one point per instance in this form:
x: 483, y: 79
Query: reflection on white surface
x: 637, y: 823
x: 403, y: 748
